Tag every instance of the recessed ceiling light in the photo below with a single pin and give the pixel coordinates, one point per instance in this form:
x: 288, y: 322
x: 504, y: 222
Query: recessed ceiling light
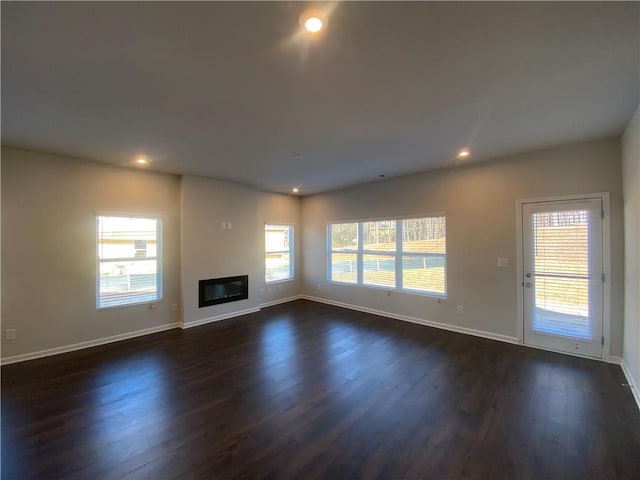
x: 295, y: 190
x: 141, y: 162
x: 313, y: 20
x: 313, y: 24
x: 464, y: 153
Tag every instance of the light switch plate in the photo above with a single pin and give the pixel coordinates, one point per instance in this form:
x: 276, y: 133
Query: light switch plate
x: 503, y: 262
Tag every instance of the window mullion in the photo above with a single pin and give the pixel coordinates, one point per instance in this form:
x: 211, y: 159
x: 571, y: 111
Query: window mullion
x: 291, y: 253
x: 399, y: 279
x: 330, y: 250
x: 359, y: 260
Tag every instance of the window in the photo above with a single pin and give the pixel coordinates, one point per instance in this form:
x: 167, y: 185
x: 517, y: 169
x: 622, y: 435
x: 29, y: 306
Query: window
x: 278, y: 262
x: 379, y: 253
x: 343, y: 238
x: 399, y: 254
x: 129, y: 260
x: 424, y: 255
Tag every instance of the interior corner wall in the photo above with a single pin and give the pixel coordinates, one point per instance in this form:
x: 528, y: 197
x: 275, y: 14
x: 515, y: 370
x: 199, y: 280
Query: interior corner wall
x: 479, y: 201
x: 631, y: 194
x: 210, y: 251
x: 49, y: 205
x: 281, y: 209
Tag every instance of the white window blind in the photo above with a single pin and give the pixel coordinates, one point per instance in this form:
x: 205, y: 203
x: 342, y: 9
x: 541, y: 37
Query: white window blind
x: 424, y: 254
x: 129, y: 267
x: 561, y: 272
x: 278, y: 240
x: 400, y: 254
x: 379, y: 250
x: 343, y: 241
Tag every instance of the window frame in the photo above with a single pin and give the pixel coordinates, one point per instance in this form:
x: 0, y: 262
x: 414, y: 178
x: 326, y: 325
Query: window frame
x: 357, y: 252
x: 157, y: 258
x: 290, y: 251
x: 398, y: 255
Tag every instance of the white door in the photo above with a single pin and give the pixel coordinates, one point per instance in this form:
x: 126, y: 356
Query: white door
x: 563, y: 275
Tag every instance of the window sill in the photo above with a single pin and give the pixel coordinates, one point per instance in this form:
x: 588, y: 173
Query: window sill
x: 284, y: 280
x: 144, y: 302
x: 419, y: 293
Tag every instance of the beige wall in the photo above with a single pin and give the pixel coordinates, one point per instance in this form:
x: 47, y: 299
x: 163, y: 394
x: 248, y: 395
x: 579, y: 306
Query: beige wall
x: 49, y: 248
x: 48, y: 233
x: 631, y: 192
x: 479, y: 202
x: 208, y: 251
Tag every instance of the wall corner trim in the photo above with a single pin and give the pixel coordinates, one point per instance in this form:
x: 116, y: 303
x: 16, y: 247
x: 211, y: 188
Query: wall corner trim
x: 420, y: 321
x: 632, y: 385
x: 217, y: 318
x: 88, y: 344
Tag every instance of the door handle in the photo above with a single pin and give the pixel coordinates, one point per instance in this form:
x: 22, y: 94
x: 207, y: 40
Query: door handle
x: 528, y: 275
x: 528, y: 284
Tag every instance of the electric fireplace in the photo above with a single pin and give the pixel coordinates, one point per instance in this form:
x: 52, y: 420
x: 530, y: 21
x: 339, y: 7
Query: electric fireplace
x: 223, y: 290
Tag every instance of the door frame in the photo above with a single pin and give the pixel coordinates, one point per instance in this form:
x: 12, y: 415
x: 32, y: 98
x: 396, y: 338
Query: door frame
x: 606, y: 258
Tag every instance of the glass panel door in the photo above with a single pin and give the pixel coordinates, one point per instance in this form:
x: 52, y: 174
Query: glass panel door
x: 562, y: 284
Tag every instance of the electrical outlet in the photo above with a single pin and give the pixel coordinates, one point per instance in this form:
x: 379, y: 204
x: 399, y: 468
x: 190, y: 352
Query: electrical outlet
x: 223, y: 225
x: 503, y: 262
x: 174, y: 307
x: 460, y: 310
x: 11, y: 333
x: 229, y: 225
x: 152, y: 306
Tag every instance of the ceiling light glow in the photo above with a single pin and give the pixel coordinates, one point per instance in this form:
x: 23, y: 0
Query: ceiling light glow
x: 295, y: 190
x: 313, y: 20
x: 464, y: 153
x: 313, y: 24
x: 141, y: 162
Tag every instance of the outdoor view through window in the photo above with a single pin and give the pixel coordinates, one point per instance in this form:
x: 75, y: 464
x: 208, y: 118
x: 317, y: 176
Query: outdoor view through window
x: 401, y: 254
x: 278, y: 240
x: 128, y: 260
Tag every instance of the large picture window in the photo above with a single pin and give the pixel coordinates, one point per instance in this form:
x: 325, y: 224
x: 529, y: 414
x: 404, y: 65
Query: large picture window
x: 278, y: 264
x: 400, y: 254
x: 129, y: 260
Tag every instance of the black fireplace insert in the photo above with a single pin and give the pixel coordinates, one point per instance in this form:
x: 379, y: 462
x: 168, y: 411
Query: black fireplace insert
x: 223, y: 290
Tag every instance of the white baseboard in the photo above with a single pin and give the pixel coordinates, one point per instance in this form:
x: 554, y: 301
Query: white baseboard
x: 281, y: 300
x: 88, y: 344
x: 138, y: 333
x: 632, y: 384
x: 429, y: 323
x: 217, y: 318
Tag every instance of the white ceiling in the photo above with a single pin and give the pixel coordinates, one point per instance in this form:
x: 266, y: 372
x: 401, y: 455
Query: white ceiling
x: 234, y: 91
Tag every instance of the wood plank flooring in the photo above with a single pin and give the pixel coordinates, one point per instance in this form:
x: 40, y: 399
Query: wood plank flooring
x: 306, y: 390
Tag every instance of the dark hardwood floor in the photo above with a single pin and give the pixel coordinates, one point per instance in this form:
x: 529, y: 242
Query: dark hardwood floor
x: 306, y: 390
